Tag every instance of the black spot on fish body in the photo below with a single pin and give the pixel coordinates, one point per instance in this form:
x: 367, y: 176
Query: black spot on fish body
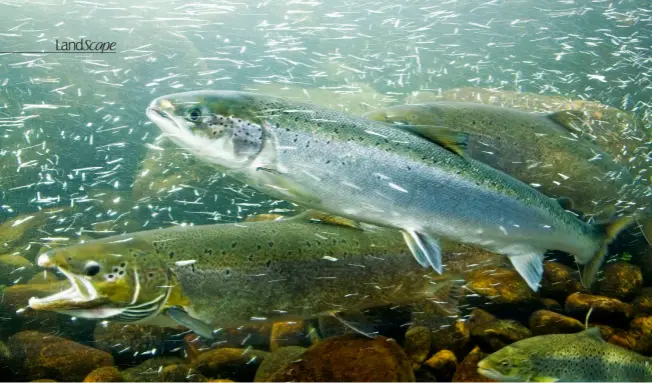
x: 258, y: 247
x: 233, y: 245
x: 208, y: 251
x: 268, y: 263
x: 271, y: 244
x: 171, y: 254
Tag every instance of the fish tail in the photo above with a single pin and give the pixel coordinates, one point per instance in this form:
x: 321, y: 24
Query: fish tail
x: 607, y: 232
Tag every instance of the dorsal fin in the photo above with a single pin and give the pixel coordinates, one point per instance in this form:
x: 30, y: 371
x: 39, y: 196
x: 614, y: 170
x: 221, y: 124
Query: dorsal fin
x: 313, y: 215
x: 453, y: 140
x: 571, y: 120
x: 450, y: 139
x: 593, y: 332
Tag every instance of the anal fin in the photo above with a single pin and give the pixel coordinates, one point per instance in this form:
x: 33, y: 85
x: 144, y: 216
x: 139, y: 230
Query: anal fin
x: 425, y: 249
x: 530, y: 267
x: 200, y: 328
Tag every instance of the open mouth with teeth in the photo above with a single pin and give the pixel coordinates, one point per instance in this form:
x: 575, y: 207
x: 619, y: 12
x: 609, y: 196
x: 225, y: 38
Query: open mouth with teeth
x: 81, y: 299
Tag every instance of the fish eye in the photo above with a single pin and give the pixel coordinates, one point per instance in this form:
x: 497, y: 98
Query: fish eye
x: 504, y: 363
x: 91, y: 268
x: 193, y: 114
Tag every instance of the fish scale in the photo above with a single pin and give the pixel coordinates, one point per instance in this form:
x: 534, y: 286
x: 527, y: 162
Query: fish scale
x: 417, y: 181
x: 228, y: 275
x: 577, y: 357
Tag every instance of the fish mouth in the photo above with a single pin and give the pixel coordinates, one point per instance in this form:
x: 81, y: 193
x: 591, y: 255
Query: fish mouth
x: 495, y: 375
x: 216, y: 152
x: 80, y: 294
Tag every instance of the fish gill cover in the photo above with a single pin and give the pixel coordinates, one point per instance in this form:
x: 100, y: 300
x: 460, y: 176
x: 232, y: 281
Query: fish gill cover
x: 80, y: 161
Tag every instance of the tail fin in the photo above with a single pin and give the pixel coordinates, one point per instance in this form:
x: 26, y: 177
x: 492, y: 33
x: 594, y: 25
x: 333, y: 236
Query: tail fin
x: 447, y: 294
x: 608, y: 231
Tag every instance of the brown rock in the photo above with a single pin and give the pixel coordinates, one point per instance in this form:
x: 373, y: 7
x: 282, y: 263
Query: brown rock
x: 605, y: 331
x: 104, y: 374
x: 500, y: 286
x: 456, y: 338
x: 551, y: 304
x: 417, y: 345
x: 288, y: 334
x: 278, y: 360
x: 495, y: 335
x: 605, y: 309
x: 151, y: 370
x: 350, y: 358
x: 544, y: 322
x: 641, y: 330
x: 38, y: 355
x: 229, y: 363
x: 468, y: 369
x: 622, y: 338
x: 180, y: 373
x: 442, y: 365
x: 559, y: 281
x: 643, y: 302
x: 621, y: 281
x: 478, y: 317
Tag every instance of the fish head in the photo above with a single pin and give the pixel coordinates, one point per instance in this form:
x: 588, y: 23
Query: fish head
x: 509, y: 364
x: 224, y: 128
x: 107, y: 281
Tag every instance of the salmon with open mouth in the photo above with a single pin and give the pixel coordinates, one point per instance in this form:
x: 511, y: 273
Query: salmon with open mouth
x: 228, y: 275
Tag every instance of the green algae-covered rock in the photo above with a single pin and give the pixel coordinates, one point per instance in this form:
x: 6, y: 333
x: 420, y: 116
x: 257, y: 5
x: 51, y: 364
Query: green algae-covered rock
x: 37, y: 355
x: 350, y: 358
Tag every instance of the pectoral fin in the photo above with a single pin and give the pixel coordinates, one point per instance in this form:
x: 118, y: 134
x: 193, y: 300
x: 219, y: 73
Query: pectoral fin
x: 365, y: 328
x: 425, y: 249
x: 530, y: 267
x: 200, y: 328
x: 283, y: 184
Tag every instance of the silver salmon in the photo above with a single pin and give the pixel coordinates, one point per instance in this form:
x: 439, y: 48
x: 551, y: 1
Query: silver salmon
x: 418, y: 182
x: 542, y: 150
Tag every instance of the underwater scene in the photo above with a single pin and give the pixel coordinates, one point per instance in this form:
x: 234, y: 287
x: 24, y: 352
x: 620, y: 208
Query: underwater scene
x: 325, y: 190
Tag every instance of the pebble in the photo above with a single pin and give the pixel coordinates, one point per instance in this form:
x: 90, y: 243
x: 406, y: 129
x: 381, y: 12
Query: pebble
x: 621, y: 281
x: 417, y: 345
x: 442, y: 365
x: 278, y: 360
x: 350, y: 358
x: 495, y: 335
x: 38, y: 355
x: 467, y: 371
x: 605, y: 310
x: 545, y: 322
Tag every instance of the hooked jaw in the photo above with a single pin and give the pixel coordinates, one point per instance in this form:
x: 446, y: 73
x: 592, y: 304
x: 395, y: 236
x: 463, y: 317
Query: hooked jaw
x: 80, y: 292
